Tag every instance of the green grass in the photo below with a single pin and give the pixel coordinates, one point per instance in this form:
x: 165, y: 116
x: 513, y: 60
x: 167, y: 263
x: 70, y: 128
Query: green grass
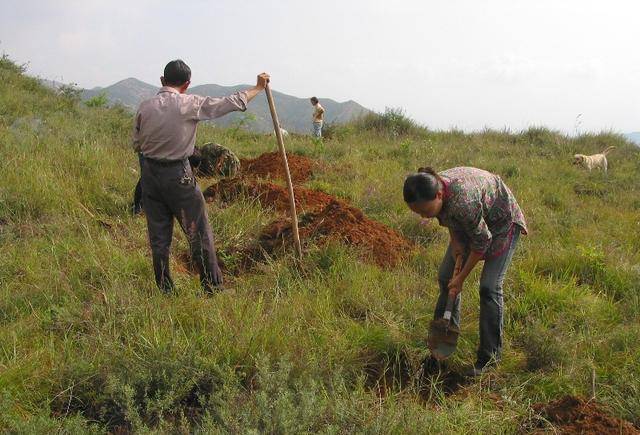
x: 88, y: 344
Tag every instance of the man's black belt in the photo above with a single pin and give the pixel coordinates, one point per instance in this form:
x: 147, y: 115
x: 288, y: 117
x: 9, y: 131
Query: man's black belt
x: 165, y: 162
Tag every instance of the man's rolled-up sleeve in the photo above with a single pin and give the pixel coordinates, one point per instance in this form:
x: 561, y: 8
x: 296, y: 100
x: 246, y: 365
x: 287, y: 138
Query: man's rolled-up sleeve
x: 215, y: 107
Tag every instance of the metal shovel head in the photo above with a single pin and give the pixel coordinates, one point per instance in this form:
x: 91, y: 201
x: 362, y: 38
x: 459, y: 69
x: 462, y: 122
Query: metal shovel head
x: 443, y: 338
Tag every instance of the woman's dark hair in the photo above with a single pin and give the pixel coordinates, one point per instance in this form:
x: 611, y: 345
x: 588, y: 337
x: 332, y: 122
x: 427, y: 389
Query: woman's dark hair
x: 177, y: 73
x: 314, y: 100
x: 422, y: 186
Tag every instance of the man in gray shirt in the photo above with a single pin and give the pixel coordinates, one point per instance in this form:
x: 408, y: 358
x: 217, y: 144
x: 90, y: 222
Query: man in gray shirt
x: 164, y: 136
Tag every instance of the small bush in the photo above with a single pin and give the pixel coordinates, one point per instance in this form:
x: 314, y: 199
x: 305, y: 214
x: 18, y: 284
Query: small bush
x: 162, y: 389
x: 393, y: 122
x: 539, y: 136
x: 99, y: 100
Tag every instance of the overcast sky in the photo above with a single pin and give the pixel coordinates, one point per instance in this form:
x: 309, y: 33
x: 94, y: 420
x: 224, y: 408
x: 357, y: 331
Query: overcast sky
x: 449, y: 63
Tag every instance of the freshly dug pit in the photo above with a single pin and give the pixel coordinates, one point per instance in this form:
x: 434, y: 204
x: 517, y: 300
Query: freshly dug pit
x: 268, y: 194
x: 338, y: 221
x: 384, y: 372
x: 270, y: 165
x: 574, y: 415
x: 439, y: 375
x: 449, y: 382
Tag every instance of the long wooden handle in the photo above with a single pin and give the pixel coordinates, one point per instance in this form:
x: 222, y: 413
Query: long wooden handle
x: 283, y: 153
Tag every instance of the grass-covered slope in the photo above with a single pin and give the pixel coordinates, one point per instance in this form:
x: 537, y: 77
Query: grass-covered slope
x: 88, y: 344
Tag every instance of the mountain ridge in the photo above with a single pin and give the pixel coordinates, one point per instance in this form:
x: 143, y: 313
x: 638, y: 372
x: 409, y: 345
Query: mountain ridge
x: 294, y: 113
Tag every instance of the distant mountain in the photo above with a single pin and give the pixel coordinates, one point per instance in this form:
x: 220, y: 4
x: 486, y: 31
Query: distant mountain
x: 294, y: 113
x: 633, y: 137
x: 128, y: 92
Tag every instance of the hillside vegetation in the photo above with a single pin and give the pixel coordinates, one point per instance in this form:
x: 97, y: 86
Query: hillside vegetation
x: 89, y: 345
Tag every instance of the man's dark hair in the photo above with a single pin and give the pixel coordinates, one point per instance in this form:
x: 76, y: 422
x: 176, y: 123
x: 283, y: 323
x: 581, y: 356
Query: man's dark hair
x: 314, y: 100
x: 177, y: 73
x: 421, y: 186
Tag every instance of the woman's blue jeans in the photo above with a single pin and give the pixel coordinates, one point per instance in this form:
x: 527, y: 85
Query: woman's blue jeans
x: 491, y: 300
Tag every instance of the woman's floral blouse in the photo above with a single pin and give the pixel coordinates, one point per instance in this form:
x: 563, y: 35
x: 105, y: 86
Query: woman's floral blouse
x: 480, y: 209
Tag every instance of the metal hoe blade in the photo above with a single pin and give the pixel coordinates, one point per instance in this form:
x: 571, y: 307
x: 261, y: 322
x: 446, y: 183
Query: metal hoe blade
x: 443, y: 339
x: 443, y: 336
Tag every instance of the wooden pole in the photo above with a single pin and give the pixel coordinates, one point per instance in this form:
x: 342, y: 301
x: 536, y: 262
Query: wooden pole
x: 283, y: 153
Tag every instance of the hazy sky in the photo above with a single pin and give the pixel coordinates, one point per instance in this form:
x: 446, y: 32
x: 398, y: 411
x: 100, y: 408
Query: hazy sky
x: 462, y: 63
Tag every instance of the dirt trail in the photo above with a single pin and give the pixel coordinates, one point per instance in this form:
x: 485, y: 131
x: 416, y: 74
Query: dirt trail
x: 269, y: 165
x: 574, y: 415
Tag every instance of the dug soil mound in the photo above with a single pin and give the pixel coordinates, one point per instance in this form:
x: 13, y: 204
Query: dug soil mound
x: 270, y: 165
x: 573, y: 415
x: 323, y: 217
x: 342, y: 222
x: 268, y: 194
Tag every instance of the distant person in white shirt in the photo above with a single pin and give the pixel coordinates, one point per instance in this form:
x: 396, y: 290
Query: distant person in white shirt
x: 318, y: 117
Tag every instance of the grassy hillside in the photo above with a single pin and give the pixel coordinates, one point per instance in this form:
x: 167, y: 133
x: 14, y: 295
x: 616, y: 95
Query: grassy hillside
x: 87, y: 344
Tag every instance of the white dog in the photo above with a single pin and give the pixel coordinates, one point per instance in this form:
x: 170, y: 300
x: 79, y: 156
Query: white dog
x: 283, y: 132
x: 594, y: 161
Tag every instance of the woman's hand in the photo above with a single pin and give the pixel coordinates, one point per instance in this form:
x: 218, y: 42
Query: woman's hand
x: 455, y: 285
